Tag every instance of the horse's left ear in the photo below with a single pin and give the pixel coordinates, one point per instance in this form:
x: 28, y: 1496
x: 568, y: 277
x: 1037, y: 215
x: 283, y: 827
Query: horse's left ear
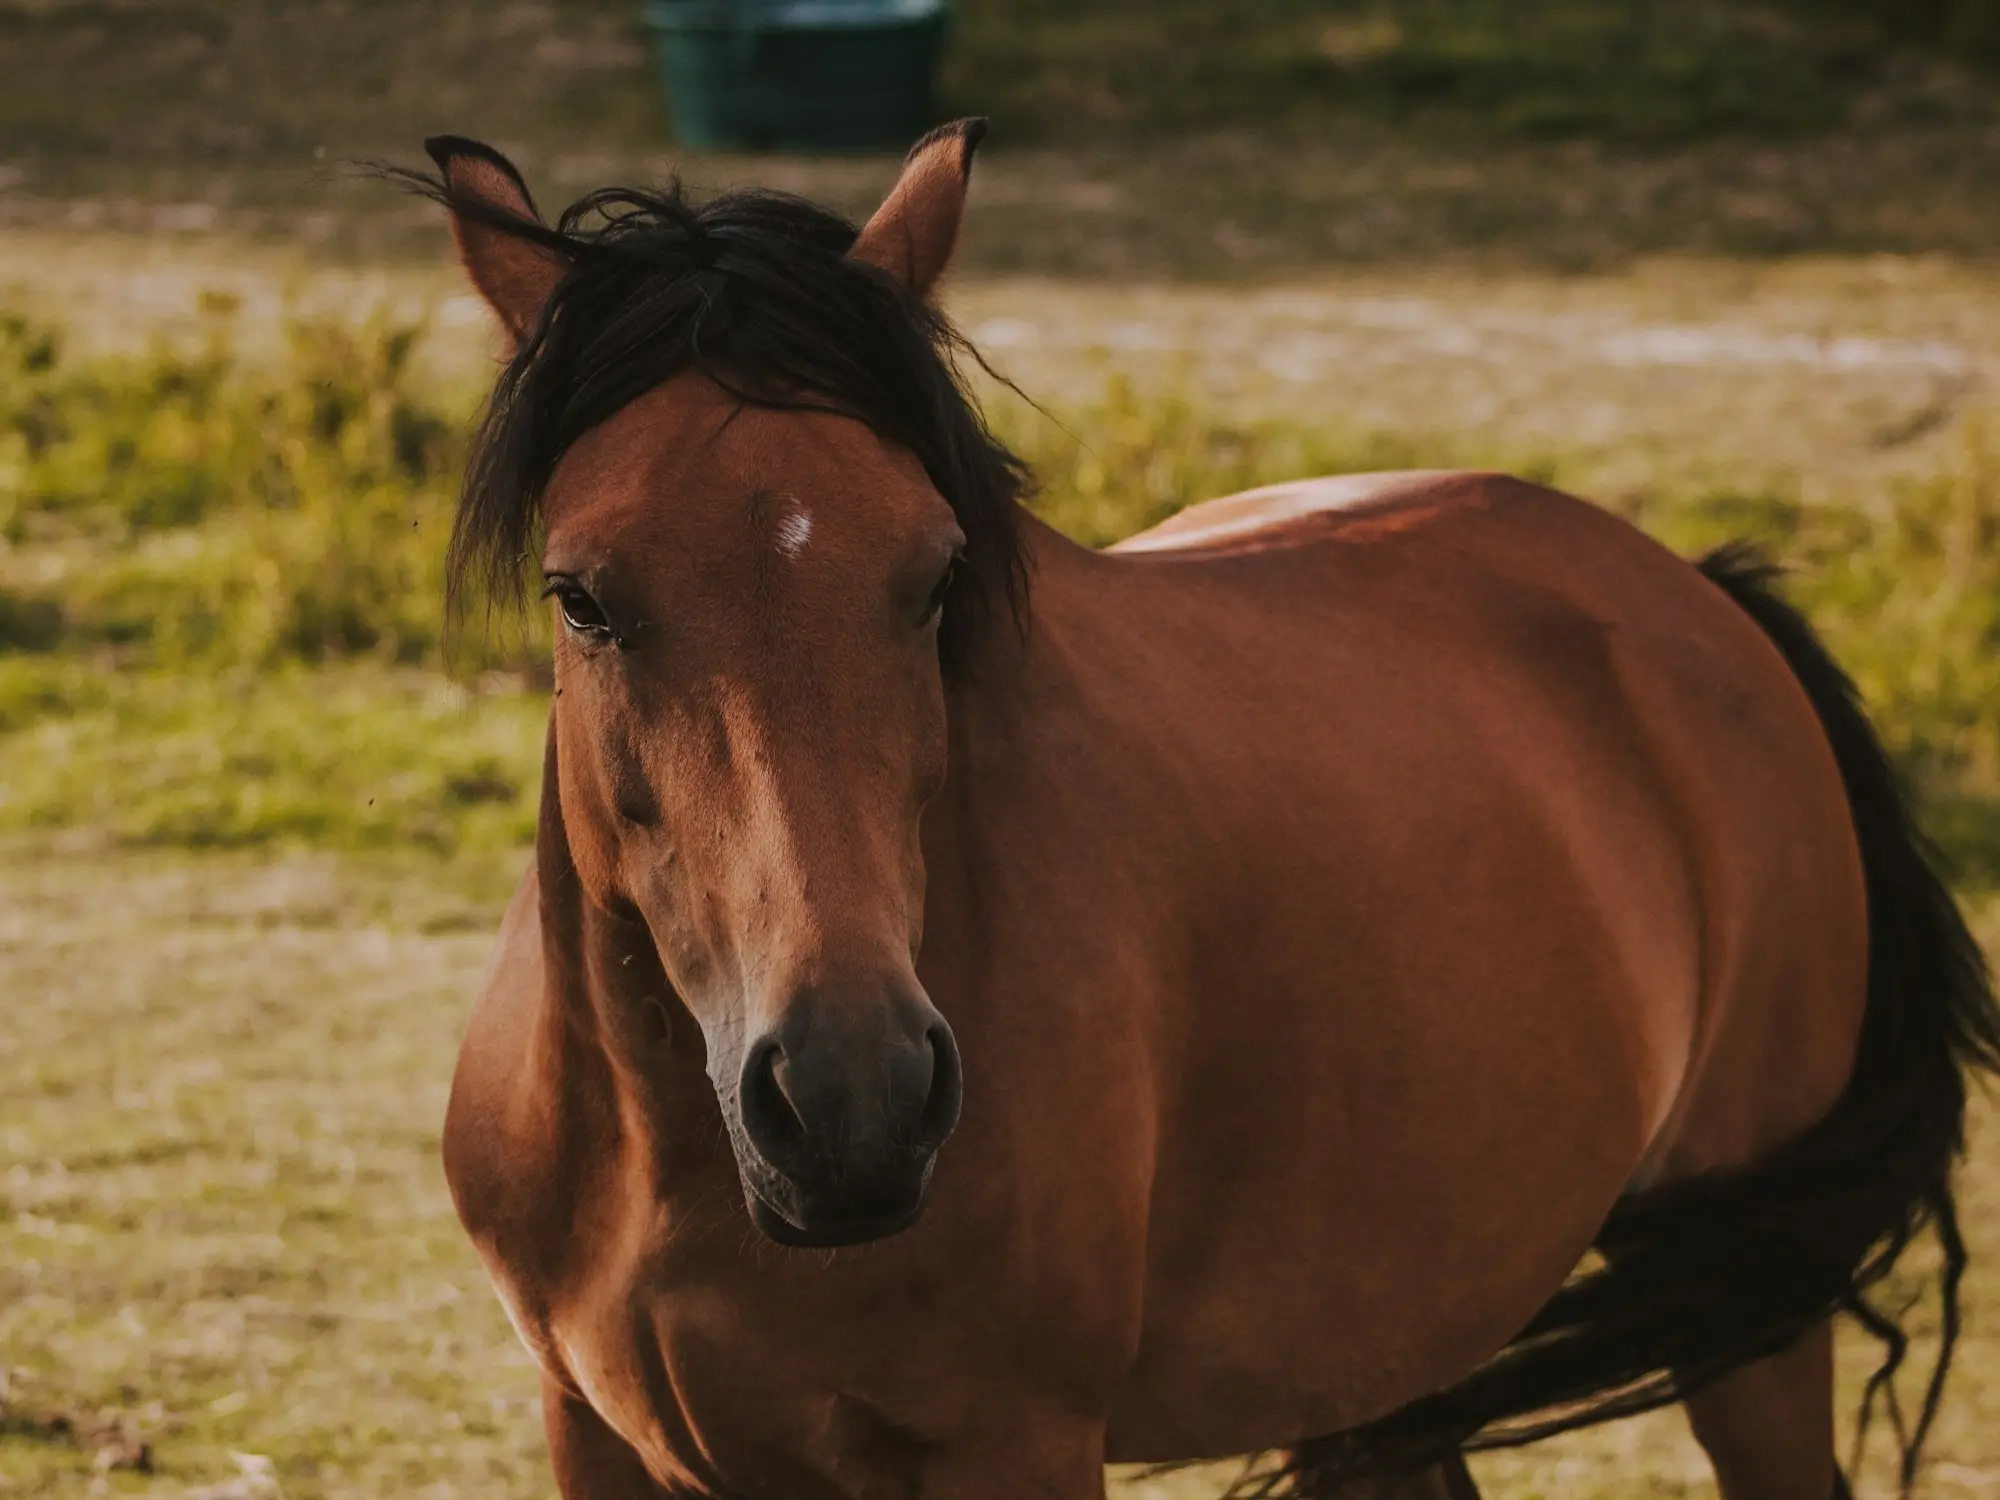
x: 913, y: 233
x: 514, y: 272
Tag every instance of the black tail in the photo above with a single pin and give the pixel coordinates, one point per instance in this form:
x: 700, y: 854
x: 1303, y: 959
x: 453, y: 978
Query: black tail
x: 1701, y: 1277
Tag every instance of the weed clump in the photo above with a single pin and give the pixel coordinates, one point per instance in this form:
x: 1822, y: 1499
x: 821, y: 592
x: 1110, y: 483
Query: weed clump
x: 198, y: 511
x: 219, y: 602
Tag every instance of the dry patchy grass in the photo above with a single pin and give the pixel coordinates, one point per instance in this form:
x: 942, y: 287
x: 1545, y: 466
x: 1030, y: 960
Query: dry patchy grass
x: 224, y: 1234
x: 222, y: 1228
x: 224, y: 1213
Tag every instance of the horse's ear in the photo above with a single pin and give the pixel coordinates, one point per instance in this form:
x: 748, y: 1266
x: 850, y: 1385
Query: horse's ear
x: 912, y: 234
x: 514, y: 274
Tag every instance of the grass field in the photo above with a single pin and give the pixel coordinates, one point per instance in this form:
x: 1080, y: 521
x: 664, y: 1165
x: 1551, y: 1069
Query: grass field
x: 226, y: 1236
x: 1728, y: 266
x: 262, y: 815
x: 1150, y: 137
x: 218, y: 618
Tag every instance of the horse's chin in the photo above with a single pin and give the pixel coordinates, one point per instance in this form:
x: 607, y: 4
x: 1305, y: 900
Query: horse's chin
x: 849, y: 1208
x: 827, y: 1233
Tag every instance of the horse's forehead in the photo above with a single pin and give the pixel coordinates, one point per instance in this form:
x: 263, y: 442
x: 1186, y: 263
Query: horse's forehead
x: 687, y: 461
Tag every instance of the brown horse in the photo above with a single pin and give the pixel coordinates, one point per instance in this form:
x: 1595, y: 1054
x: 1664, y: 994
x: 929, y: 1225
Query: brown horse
x: 982, y: 1008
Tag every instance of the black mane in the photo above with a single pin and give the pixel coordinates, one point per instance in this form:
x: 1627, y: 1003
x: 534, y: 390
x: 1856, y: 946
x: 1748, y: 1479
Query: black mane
x: 754, y: 289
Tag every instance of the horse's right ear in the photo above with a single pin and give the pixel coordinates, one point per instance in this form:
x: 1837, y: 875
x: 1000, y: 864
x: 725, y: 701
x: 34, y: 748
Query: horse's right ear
x: 514, y: 274
x: 914, y: 232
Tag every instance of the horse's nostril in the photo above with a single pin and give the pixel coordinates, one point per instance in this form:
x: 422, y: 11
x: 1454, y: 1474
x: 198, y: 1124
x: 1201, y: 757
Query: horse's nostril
x: 941, y: 1109
x: 769, y: 1115
x: 855, y: 1107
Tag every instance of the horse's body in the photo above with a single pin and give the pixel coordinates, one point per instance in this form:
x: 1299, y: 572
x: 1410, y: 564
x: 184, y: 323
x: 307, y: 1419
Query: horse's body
x: 1342, y: 897
x: 1176, y: 876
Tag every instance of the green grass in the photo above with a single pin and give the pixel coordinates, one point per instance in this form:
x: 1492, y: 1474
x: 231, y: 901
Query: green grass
x: 1969, y: 28
x: 218, y: 605
x: 1635, y: 72
x: 348, y: 757
x: 202, y: 509
x: 220, y: 582
x: 107, y: 80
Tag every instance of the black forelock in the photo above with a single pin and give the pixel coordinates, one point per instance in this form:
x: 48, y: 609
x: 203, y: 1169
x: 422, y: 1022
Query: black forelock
x: 754, y: 289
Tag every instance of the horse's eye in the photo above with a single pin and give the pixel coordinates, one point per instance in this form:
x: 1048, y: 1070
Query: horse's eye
x: 935, y: 606
x: 579, y: 611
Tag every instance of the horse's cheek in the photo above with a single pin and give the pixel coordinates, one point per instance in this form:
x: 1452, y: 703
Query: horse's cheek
x: 587, y: 823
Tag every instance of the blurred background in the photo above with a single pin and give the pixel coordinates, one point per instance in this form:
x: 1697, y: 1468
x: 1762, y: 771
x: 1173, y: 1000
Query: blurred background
x: 1731, y: 267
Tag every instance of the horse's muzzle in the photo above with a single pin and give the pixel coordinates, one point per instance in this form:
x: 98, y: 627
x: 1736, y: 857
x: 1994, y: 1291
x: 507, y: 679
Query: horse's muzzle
x: 841, y: 1111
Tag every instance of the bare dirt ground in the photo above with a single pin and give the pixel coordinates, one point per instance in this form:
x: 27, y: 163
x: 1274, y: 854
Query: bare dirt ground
x: 228, y: 1265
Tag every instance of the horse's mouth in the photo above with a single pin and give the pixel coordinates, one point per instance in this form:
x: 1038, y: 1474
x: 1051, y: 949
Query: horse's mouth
x: 829, y: 1233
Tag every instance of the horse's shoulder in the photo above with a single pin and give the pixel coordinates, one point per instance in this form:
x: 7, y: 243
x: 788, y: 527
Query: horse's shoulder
x: 482, y: 1120
x: 496, y: 1137
x: 1288, y: 514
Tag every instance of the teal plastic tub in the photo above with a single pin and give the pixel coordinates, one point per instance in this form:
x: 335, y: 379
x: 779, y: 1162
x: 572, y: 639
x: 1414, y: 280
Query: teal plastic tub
x: 803, y: 75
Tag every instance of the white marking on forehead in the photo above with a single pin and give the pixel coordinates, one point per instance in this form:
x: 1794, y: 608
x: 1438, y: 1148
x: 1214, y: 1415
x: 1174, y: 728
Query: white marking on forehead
x: 793, y: 532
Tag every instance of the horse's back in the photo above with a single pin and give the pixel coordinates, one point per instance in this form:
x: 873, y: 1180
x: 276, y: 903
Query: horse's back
x: 1264, y: 517
x: 1568, y: 902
